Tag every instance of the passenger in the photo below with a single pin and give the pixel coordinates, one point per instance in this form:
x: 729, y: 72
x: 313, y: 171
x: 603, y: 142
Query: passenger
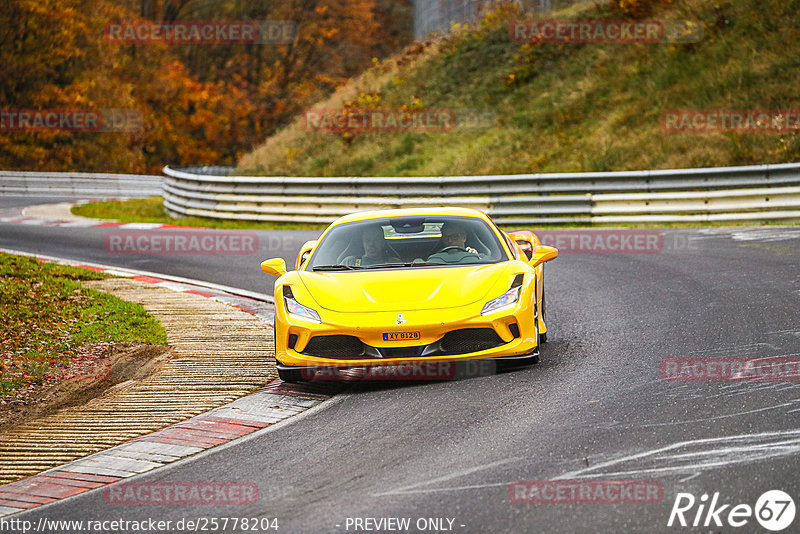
x: 376, y: 250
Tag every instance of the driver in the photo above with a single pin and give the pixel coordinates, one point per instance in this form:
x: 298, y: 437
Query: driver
x: 453, y: 249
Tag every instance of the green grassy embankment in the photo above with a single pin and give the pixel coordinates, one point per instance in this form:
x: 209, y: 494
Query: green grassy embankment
x: 151, y: 210
x: 565, y: 107
x: 51, y: 324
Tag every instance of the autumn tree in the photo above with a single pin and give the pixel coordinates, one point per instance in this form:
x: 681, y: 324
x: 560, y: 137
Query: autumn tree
x: 200, y: 104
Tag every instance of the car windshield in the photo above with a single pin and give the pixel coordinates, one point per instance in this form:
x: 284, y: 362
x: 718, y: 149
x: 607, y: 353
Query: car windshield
x: 407, y: 243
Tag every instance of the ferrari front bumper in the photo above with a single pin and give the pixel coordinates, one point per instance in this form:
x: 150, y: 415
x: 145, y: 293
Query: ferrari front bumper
x: 447, y: 335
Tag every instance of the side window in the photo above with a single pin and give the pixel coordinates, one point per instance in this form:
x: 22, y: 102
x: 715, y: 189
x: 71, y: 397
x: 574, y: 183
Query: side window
x: 514, y: 248
x: 511, y: 245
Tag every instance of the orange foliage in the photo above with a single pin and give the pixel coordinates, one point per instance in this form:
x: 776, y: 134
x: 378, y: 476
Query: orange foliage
x: 200, y: 104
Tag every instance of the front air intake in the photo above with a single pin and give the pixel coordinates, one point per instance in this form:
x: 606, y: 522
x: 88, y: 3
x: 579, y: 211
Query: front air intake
x: 470, y: 340
x: 338, y: 346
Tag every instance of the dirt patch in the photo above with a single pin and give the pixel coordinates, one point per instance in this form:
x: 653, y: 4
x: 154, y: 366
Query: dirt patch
x: 117, y: 363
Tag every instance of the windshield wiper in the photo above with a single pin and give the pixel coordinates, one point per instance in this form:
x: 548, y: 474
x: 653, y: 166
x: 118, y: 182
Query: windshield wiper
x: 340, y: 267
x: 337, y: 267
x: 406, y: 264
x: 382, y: 265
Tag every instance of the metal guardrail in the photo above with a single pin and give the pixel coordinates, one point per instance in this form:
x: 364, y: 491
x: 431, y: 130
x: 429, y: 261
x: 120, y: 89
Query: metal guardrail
x: 726, y: 194
x: 78, y: 183
x: 753, y: 193
x: 752, y: 204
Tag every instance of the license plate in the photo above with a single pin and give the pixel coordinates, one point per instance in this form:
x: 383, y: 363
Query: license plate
x: 400, y: 336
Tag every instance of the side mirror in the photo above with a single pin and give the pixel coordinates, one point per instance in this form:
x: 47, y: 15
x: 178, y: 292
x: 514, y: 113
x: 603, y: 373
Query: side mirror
x: 525, y: 240
x: 276, y: 266
x: 305, y: 250
x: 543, y: 253
x: 526, y: 247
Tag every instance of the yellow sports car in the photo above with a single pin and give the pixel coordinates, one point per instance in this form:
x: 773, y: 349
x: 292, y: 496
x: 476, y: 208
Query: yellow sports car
x: 396, y: 288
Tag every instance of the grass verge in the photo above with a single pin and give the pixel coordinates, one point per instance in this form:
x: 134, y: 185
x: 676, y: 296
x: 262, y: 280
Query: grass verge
x: 563, y: 107
x: 49, y: 319
x: 151, y: 210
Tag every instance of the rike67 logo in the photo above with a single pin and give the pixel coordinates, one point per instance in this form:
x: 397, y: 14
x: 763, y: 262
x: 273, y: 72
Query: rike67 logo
x: 774, y: 510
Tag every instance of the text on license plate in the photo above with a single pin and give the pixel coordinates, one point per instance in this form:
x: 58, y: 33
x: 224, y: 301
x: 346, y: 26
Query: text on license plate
x: 400, y: 336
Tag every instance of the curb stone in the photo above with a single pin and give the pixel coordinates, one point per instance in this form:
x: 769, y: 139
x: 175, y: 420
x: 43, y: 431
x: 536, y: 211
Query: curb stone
x: 274, y: 403
x: 267, y: 406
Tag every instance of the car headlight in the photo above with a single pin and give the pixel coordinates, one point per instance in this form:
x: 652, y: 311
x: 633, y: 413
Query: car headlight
x: 298, y: 310
x: 506, y: 299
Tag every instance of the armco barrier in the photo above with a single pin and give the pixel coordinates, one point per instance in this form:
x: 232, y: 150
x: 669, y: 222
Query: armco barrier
x: 722, y: 194
x: 78, y: 183
x: 753, y: 204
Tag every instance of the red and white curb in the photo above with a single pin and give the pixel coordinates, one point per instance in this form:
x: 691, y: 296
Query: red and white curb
x: 94, y: 224
x: 276, y: 402
x: 17, y: 217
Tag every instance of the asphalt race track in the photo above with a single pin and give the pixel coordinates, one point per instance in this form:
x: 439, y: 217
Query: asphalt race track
x: 596, y: 408
x: 88, y: 244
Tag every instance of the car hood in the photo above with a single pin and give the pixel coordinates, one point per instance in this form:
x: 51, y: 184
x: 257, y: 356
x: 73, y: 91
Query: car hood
x: 402, y: 289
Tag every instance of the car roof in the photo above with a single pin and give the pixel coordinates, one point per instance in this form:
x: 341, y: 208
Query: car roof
x: 443, y: 211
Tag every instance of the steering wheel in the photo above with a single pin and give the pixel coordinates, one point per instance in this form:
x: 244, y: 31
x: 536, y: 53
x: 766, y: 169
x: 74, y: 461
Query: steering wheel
x: 462, y: 249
